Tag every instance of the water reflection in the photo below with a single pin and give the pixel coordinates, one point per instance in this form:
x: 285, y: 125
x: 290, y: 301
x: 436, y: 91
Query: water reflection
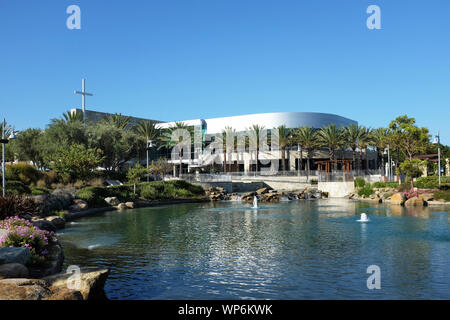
x: 291, y: 250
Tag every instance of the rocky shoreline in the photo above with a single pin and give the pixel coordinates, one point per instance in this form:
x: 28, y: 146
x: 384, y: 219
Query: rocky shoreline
x: 266, y: 194
x: 393, y: 197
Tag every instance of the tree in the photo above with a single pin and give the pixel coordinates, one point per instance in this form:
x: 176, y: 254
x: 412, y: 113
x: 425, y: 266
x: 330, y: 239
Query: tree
x: 409, y: 138
x: 146, y: 130
x: 380, y: 141
x: 135, y: 174
x: 283, y: 141
x: 306, y: 137
x: 353, y: 135
x: 75, y: 162
x: 330, y: 136
x: 166, y: 141
x: 117, y: 144
x: 72, y: 117
x: 161, y: 167
x: 256, y: 133
x: 61, y: 134
x: 27, y: 146
x: 413, y: 168
x: 117, y: 120
x: 222, y: 138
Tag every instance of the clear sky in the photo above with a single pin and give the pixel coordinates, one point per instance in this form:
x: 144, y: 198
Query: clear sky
x: 188, y: 59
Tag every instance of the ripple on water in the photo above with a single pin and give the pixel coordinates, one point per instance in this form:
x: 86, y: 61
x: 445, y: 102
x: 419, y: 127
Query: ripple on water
x: 291, y: 250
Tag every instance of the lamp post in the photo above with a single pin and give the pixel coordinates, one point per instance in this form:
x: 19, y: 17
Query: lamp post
x: 5, y: 141
x: 437, y: 140
x: 149, y: 145
x: 386, y: 151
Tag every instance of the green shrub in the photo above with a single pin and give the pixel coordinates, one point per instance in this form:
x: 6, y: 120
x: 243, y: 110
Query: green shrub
x: 360, y: 182
x: 177, y: 189
x: 38, y: 191
x: 24, y: 172
x: 385, y: 184
x: 123, y: 193
x: 16, y: 188
x: 365, y: 191
x: 442, y: 195
x: 94, y: 196
x: 431, y: 182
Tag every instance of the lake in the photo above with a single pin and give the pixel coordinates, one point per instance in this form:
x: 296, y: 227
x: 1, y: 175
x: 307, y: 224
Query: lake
x: 300, y: 249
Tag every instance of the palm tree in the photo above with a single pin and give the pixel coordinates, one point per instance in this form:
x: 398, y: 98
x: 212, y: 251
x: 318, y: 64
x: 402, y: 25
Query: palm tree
x: 306, y: 137
x: 379, y: 140
x: 228, y: 132
x: 365, y: 141
x: 72, y: 116
x: 117, y: 120
x: 283, y: 141
x: 344, y: 144
x: 353, y: 134
x: 146, y: 130
x: 256, y: 134
x: 330, y: 136
x: 165, y: 139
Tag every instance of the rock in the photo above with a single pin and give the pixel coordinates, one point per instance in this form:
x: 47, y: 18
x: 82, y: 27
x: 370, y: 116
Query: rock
x: 130, y: 204
x: 79, y: 205
x: 262, y: 191
x: 23, y: 289
x: 427, y: 196
x: 415, y: 201
x: 53, y: 263
x: 92, y: 282
x: 57, y: 221
x: 44, y: 225
x: 398, y: 199
x: 13, y: 270
x: 14, y: 255
x: 122, y: 206
x: 112, y: 201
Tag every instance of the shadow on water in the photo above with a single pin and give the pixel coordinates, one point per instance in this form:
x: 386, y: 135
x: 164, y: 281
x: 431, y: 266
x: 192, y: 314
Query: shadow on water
x: 291, y: 250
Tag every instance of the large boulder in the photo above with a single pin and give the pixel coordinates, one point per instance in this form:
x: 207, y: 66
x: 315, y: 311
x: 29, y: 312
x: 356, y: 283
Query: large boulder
x: 78, y: 205
x: 57, y: 287
x: 44, y: 225
x: 23, y: 289
x: 398, y: 199
x: 130, y: 205
x: 14, y: 255
x: 122, y: 206
x: 112, y: 201
x: 57, y: 221
x: 60, y: 199
x: 415, y: 201
x: 13, y: 270
x: 92, y: 282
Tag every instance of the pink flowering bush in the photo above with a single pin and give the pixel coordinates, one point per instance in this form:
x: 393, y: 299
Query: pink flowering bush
x: 411, y: 193
x: 22, y: 233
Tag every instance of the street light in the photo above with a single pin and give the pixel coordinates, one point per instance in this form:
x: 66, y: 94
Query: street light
x: 437, y: 140
x: 389, y: 162
x: 149, y: 145
x: 3, y: 142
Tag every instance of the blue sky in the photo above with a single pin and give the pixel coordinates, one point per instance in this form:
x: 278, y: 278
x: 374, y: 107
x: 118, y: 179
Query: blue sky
x: 188, y: 59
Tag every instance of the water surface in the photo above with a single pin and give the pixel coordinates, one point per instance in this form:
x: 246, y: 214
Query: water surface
x: 291, y: 250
